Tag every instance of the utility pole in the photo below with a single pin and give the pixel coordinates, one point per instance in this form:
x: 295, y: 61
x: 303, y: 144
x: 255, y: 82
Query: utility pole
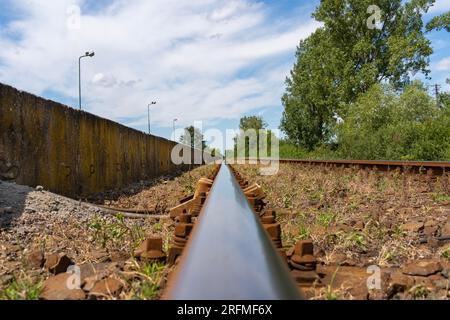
x: 174, y: 120
x: 87, y: 54
x: 153, y: 102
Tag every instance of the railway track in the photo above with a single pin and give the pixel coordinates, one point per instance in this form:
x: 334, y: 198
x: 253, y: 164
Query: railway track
x: 430, y: 167
x: 224, y: 242
x: 229, y: 255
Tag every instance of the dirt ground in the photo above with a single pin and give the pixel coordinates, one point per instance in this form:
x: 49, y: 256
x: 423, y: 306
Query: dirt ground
x: 36, y: 224
x: 359, y: 218
x: 355, y: 218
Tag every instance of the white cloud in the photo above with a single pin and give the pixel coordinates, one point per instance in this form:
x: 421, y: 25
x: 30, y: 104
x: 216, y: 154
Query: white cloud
x: 201, y: 60
x: 229, y: 9
x: 440, y: 6
x: 443, y: 65
x: 104, y: 81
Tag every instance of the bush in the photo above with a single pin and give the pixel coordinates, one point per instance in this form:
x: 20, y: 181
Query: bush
x: 292, y: 151
x: 385, y: 125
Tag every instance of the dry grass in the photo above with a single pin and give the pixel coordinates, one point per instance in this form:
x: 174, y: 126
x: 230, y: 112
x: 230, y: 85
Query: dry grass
x: 94, y: 238
x: 359, y: 213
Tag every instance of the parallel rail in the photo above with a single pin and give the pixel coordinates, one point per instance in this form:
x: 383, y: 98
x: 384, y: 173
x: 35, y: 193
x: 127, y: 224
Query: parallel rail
x: 229, y: 255
x: 434, y: 167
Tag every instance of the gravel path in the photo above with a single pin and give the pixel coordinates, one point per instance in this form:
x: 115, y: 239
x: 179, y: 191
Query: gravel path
x: 35, y: 221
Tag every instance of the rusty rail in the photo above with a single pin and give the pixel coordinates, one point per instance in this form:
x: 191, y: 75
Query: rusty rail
x: 434, y: 167
x: 229, y: 255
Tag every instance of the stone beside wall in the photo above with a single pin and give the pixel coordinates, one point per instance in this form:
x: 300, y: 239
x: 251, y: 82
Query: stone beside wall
x: 72, y: 152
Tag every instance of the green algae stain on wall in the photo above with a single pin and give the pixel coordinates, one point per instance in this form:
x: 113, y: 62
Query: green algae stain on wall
x: 73, y: 152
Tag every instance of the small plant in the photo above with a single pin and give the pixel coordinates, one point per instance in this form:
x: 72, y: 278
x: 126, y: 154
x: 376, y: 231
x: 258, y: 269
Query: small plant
x: 382, y: 184
x: 149, y: 287
x: 301, y: 216
x: 151, y: 269
x: 316, y: 196
x: 22, y: 289
x: 303, y: 232
x: 398, y: 232
x: 137, y: 234
x: 356, y: 239
x: 419, y: 292
x: 188, y: 183
x: 147, y: 290
x: 388, y: 255
x: 446, y: 253
x: 157, y: 227
x: 109, y: 232
x: 369, y: 198
x: 325, y: 218
x: 353, y: 205
x: 189, y: 189
x: 330, y: 294
x: 441, y: 197
x: 287, y: 200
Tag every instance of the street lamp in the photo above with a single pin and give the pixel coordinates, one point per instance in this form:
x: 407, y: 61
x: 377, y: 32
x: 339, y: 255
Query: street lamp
x: 87, y: 54
x: 174, y: 120
x: 153, y: 102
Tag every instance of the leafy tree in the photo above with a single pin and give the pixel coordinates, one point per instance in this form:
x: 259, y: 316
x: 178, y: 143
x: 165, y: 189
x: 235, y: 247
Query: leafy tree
x: 439, y: 23
x: 251, y: 143
x: 252, y: 122
x: 312, y: 91
x: 444, y: 98
x: 193, y: 137
x: 345, y: 58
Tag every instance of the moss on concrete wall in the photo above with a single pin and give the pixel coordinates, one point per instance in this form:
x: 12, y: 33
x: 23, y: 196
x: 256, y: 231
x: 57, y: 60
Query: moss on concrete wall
x: 73, y: 152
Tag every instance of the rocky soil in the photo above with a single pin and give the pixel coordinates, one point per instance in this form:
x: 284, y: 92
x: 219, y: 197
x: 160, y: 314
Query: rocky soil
x: 357, y: 220
x: 396, y: 221
x: 42, y: 234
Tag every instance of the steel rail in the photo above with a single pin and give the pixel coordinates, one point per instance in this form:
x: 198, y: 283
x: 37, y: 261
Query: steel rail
x: 229, y: 255
x: 438, y: 167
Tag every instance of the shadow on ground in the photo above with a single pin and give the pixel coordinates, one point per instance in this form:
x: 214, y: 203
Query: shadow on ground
x: 12, y: 202
x: 134, y: 188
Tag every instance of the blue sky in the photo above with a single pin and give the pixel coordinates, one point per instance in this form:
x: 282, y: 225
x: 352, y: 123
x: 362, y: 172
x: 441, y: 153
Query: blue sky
x: 207, y: 60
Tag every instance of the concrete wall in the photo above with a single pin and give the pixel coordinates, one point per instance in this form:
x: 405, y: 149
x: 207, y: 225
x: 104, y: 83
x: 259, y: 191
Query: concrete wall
x: 73, y: 152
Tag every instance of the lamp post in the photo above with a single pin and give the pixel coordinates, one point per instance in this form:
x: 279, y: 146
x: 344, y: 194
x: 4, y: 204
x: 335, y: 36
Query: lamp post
x: 87, y: 54
x: 174, y: 120
x: 153, y: 102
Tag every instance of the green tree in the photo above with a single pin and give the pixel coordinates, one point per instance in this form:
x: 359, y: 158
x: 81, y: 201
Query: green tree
x: 252, y: 122
x: 193, y: 137
x: 439, y: 23
x: 252, y: 127
x: 312, y: 91
x: 346, y: 57
x: 444, y: 98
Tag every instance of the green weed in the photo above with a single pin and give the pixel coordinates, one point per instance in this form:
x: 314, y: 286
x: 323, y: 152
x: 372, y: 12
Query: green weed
x: 325, y: 218
x: 109, y: 233
x: 149, y: 287
x: 441, y: 197
x: 22, y: 289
